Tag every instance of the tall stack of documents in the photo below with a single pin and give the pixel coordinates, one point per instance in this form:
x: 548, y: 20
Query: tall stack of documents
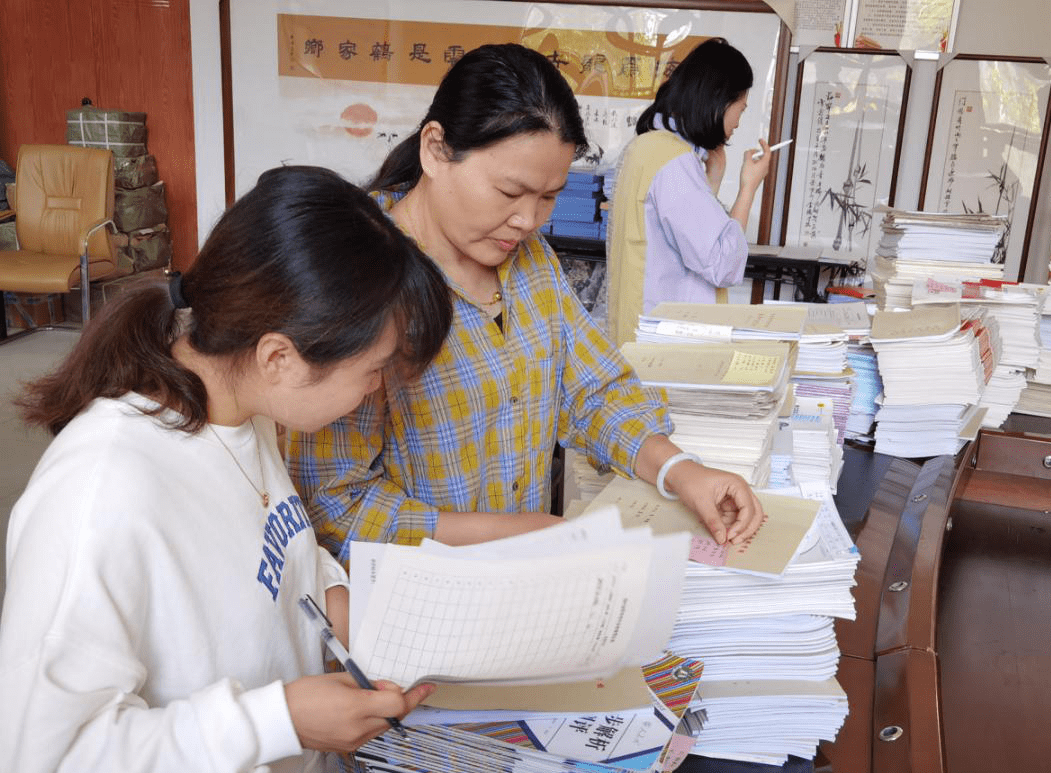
x: 830, y: 329
x: 819, y: 334
x: 1036, y: 397
x: 1014, y: 310
x: 760, y: 618
x: 920, y: 245
x: 934, y: 367
x: 724, y: 399
x: 548, y: 649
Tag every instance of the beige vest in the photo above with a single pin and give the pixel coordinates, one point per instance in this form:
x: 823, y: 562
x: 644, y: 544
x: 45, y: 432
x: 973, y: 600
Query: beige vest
x: 626, y: 245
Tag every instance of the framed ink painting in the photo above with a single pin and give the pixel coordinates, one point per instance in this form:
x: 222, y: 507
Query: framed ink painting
x: 849, y: 118
x: 985, y: 146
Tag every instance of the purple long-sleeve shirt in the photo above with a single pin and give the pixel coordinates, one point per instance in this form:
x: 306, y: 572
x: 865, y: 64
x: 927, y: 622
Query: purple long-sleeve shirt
x: 693, y: 245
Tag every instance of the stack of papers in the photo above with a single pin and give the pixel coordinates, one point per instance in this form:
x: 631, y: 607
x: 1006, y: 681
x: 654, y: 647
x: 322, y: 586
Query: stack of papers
x: 724, y: 399
x: 921, y: 245
x: 817, y: 457
x: 934, y: 369
x: 760, y: 614
x: 548, y: 648
x: 763, y: 722
x: 868, y: 385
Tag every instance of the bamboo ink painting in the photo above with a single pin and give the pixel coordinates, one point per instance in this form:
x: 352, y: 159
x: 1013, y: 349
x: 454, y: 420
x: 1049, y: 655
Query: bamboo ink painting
x: 985, y: 144
x: 848, y: 116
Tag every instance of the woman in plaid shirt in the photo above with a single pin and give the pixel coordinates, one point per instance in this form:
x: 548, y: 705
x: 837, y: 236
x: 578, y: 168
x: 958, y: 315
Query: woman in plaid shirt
x: 463, y: 453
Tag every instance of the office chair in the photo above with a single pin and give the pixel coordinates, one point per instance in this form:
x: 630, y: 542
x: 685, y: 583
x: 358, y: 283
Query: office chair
x: 63, y: 201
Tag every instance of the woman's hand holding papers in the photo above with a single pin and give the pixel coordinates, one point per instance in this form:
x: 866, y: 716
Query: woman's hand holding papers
x: 723, y: 501
x: 330, y: 712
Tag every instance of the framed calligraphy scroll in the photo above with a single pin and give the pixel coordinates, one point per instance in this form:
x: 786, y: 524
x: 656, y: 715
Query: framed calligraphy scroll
x: 849, y: 119
x: 341, y: 82
x: 986, y: 145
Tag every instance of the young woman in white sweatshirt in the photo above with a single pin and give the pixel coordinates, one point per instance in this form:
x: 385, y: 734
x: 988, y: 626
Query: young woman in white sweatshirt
x: 157, y: 555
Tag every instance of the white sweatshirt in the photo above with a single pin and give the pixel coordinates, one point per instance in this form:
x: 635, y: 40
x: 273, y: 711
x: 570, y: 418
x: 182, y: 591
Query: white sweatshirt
x: 151, y: 612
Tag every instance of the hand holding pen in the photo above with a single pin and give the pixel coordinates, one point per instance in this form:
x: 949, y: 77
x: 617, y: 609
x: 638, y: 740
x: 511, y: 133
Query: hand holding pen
x: 324, y: 628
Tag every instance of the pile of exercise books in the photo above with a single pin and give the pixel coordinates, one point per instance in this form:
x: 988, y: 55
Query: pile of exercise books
x: 1014, y: 309
x: 760, y: 618
x: 578, y: 209
x: 868, y: 385
x: 920, y: 245
x: 724, y: 398
x: 548, y: 649
x: 822, y: 371
x: 935, y: 366
x: 1035, y: 399
x: 820, y: 335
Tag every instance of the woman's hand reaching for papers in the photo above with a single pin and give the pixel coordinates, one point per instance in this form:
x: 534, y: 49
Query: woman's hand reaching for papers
x: 723, y: 501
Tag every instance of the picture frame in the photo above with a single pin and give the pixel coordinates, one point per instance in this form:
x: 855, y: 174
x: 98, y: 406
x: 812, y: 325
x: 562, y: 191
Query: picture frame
x: 849, y: 118
x: 986, y: 145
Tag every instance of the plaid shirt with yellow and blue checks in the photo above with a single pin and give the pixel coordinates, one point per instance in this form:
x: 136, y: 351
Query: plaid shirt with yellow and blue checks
x: 475, y: 432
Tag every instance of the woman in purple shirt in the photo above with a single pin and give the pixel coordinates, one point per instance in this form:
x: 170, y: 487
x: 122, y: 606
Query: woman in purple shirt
x: 670, y: 237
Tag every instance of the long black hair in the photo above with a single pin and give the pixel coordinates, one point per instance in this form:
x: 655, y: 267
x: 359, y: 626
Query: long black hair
x: 493, y: 92
x: 304, y: 253
x: 696, y: 95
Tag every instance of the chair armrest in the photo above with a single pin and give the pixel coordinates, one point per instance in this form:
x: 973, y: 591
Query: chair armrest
x: 91, y: 229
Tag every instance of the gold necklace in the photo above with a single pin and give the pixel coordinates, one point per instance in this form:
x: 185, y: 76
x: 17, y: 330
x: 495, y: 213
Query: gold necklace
x: 413, y: 231
x: 264, y: 496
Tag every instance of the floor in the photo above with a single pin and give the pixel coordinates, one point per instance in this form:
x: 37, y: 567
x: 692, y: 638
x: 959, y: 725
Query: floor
x: 21, y: 359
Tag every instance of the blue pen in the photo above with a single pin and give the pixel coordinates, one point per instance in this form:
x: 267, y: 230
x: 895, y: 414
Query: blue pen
x: 324, y: 627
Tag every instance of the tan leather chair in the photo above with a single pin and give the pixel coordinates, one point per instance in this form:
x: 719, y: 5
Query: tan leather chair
x: 63, y: 203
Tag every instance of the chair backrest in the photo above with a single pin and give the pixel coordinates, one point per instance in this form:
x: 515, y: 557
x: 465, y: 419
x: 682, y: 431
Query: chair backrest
x: 60, y: 191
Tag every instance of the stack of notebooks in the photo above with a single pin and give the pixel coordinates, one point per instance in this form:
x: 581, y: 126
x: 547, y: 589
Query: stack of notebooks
x: 831, y: 329
x: 917, y: 245
x: 578, y: 209
x: 1014, y: 310
x: 724, y: 399
x: 810, y: 435
x: 819, y: 334
x: 760, y: 618
x: 548, y: 649
x: 868, y: 385
x: 1035, y: 399
x: 934, y: 366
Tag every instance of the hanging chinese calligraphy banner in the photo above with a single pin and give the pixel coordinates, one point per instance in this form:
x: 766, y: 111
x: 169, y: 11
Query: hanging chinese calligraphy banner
x: 341, y: 82
x: 849, y: 117
x: 986, y: 143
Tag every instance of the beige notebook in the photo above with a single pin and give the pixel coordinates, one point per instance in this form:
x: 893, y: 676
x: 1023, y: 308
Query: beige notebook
x: 768, y: 551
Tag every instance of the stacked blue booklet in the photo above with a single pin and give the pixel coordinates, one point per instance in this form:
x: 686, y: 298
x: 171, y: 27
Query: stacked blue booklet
x: 578, y: 211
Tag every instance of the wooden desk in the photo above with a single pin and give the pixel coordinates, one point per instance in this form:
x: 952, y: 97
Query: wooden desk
x: 765, y: 264
x: 948, y: 665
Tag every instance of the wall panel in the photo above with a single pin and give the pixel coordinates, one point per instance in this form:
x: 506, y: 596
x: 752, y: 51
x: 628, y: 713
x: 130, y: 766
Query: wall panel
x: 123, y: 54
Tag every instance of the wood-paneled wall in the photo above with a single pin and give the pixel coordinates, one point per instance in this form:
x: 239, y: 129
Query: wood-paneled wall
x: 124, y: 55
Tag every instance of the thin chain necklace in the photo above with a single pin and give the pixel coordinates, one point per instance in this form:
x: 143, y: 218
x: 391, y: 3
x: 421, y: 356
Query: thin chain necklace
x: 493, y: 307
x: 264, y: 495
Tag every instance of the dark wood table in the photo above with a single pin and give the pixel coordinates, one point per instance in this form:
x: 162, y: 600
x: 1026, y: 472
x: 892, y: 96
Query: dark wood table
x: 948, y: 664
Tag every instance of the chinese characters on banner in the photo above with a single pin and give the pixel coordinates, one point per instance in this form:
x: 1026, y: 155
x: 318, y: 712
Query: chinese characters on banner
x: 595, y: 62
